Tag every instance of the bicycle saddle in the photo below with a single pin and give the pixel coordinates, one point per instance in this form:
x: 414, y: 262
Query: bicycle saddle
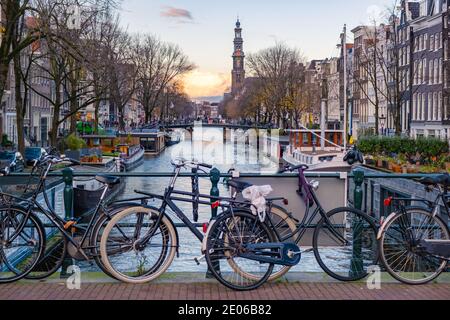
x: 109, y: 180
x: 239, y: 185
x: 443, y: 180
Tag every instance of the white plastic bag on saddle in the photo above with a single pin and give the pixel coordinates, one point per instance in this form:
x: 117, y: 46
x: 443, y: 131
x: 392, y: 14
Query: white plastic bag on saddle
x: 256, y: 195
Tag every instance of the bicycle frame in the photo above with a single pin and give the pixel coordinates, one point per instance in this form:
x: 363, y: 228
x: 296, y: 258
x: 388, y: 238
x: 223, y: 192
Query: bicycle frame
x: 168, y: 200
x: 306, y: 223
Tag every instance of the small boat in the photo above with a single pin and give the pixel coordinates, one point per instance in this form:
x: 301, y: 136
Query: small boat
x: 132, y: 156
x: 172, y: 139
x: 320, y: 154
x: 87, y: 191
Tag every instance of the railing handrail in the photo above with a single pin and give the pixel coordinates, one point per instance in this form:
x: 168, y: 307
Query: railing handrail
x: 242, y: 175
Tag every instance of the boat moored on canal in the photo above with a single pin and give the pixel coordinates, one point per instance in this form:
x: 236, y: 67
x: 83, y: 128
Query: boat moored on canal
x: 152, y: 141
x: 320, y: 150
x: 125, y: 147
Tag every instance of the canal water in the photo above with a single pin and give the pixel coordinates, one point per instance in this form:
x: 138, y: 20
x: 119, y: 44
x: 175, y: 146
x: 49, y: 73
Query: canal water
x: 207, y: 147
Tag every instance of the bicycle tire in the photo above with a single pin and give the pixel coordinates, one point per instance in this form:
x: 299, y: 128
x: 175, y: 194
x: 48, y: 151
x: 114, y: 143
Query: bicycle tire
x: 214, y: 239
x: 383, y: 248
x: 159, y: 267
x: 41, y: 238
x: 355, y: 272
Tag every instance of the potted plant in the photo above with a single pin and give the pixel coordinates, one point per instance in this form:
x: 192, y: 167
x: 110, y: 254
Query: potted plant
x: 75, y: 145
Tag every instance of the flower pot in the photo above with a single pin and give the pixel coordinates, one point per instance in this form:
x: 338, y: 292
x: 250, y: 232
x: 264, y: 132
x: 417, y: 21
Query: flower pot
x: 370, y: 162
x: 447, y: 166
x: 385, y: 164
x: 396, y: 168
x: 380, y: 163
x: 404, y: 169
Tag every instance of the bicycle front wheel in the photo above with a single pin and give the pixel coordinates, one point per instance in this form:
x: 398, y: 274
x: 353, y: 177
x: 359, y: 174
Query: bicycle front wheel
x: 345, y: 244
x: 401, y: 247
x: 21, y: 243
x: 125, y: 257
x: 227, y: 251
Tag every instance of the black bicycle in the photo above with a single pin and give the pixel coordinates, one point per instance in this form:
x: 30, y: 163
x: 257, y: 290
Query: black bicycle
x: 30, y: 249
x: 343, y: 240
x: 414, y: 241
x: 148, y: 241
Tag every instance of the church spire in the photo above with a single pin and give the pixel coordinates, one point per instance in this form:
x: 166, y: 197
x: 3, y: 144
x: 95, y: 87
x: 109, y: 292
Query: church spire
x: 238, y: 73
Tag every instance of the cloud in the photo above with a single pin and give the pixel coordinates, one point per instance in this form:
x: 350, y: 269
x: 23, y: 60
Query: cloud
x: 205, y: 83
x: 178, y: 14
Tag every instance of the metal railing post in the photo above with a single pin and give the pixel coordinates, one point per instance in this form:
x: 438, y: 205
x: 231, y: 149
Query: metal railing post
x: 214, y: 176
x: 68, y: 195
x: 357, y: 226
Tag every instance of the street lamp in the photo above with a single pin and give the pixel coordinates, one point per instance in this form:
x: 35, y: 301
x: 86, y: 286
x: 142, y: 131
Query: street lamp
x: 383, y: 123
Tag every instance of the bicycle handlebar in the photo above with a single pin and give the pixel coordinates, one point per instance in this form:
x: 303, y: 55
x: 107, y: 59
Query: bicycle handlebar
x: 302, y: 167
x: 183, y: 163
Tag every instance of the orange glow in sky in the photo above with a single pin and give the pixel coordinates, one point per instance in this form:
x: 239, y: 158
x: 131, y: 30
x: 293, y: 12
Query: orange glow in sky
x: 203, y: 83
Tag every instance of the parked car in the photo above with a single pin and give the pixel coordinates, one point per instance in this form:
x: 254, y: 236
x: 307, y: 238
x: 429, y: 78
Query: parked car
x: 32, y: 154
x: 12, y: 160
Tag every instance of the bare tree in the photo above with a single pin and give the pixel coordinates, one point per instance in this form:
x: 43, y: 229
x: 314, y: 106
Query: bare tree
x: 67, y: 24
x: 158, y: 65
x: 11, y: 44
x: 280, y: 71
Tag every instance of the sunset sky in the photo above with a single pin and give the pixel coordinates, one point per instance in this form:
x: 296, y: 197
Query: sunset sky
x: 204, y: 29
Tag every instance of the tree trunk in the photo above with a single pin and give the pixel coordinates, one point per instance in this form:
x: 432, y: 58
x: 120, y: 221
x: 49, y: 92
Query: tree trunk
x: 73, y: 109
x: 19, y: 106
x: 121, y: 118
x: 55, y: 119
x: 96, y: 116
x: 4, y: 67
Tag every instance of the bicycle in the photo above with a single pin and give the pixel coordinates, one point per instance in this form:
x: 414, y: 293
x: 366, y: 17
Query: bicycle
x: 414, y: 241
x: 23, y: 236
x: 149, y: 240
x: 344, y: 241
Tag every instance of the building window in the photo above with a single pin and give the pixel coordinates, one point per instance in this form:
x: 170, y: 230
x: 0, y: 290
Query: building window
x: 431, y: 72
x: 436, y: 71
x: 432, y: 43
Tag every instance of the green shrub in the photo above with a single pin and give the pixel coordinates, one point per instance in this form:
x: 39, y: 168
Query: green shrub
x: 427, y: 148
x: 431, y: 147
x: 74, y: 143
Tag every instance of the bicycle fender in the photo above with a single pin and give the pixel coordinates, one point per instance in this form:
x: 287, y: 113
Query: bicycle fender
x: 388, y: 219
x: 205, y: 238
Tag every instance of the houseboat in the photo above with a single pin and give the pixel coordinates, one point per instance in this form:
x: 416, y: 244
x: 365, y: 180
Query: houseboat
x: 318, y: 149
x: 126, y: 147
x: 152, y: 141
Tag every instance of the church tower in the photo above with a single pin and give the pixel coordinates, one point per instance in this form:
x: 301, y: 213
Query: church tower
x: 238, y: 73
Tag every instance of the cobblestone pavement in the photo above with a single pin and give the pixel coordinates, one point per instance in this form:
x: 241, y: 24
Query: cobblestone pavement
x: 212, y: 291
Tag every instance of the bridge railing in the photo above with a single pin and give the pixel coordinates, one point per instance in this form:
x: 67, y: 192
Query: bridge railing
x: 336, y: 189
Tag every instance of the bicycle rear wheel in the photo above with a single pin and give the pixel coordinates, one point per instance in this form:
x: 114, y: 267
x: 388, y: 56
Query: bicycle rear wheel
x: 401, y: 251
x: 345, y: 244
x: 19, y: 251
x: 226, y: 243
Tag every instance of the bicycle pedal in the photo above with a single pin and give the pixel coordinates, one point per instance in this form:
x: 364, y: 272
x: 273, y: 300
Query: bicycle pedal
x: 197, y: 260
x: 70, y: 224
